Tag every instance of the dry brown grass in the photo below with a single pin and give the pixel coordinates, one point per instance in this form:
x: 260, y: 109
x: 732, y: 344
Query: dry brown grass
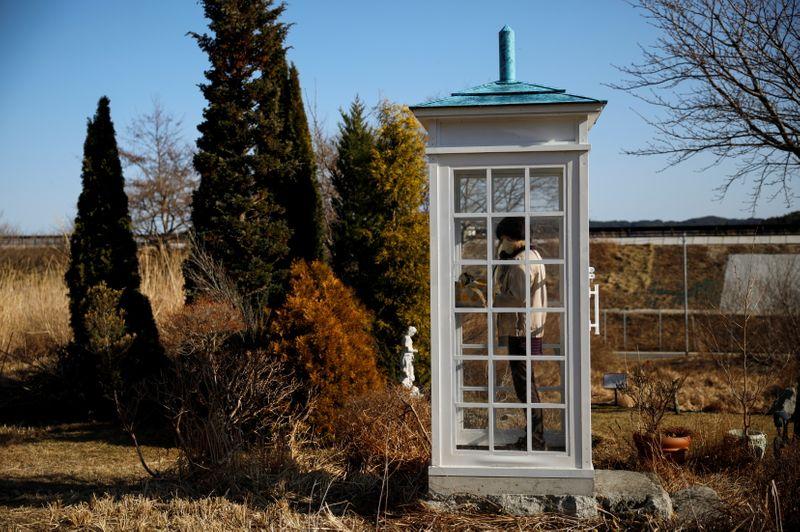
x: 34, y: 315
x: 84, y: 476
x: 137, y: 512
x: 741, y: 481
x: 706, y: 388
x: 386, y: 430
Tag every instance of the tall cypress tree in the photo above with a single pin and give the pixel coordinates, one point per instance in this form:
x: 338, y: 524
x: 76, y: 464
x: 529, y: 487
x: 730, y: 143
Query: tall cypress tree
x: 401, y: 290
x: 241, y: 153
x: 103, y: 250
x: 300, y: 191
x: 358, y: 218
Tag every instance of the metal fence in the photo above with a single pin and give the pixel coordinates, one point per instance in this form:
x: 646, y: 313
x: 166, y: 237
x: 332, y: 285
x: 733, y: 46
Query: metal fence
x: 671, y: 335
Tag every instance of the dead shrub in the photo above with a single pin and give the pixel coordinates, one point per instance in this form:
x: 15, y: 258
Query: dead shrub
x: 323, y: 335
x: 204, y: 325
x: 386, y: 430
x: 228, y: 401
x: 653, y: 392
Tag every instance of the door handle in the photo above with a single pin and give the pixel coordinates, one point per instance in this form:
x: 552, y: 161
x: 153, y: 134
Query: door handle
x: 594, y: 295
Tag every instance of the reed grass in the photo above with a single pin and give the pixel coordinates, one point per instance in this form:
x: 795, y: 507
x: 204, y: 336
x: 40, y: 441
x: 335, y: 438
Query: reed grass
x: 34, y: 312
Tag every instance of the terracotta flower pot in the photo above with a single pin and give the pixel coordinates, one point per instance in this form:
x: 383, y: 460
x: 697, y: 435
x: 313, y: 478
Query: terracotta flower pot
x: 675, y: 444
x: 672, y: 444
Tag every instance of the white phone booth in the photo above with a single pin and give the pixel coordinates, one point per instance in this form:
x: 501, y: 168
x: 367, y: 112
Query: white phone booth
x: 510, y: 301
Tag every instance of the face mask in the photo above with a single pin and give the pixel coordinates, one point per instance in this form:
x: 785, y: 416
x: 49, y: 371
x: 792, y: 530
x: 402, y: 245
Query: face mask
x: 508, y: 246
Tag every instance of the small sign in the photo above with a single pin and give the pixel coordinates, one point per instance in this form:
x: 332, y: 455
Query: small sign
x: 615, y: 381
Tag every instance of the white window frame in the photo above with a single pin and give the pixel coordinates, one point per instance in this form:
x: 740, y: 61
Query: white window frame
x: 451, y: 455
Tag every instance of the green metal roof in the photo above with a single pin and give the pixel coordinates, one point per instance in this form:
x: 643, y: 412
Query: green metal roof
x: 507, y: 93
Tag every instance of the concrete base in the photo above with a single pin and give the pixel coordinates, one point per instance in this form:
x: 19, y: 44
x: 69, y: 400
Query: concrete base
x: 579, y: 506
x: 617, y: 492
x: 445, y: 486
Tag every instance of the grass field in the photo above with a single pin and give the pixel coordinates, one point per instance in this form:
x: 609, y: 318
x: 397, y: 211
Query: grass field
x: 86, y: 476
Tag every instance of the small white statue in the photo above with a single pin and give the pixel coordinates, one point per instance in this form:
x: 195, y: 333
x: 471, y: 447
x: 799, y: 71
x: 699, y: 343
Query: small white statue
x: 408, y: 361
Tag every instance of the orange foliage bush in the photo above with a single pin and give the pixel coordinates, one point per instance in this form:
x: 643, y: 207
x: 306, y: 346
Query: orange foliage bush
x: 323, y: 334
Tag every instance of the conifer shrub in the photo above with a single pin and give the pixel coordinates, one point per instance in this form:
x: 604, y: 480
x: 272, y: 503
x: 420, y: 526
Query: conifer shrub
x: 358, y: 217
x: 299, y: 192
x: 323, y: 334
x: 108, y: 338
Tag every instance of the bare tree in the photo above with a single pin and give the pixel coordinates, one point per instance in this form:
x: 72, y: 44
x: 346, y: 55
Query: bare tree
x: 325, y: 155
x: 161, y: 191
x: 6, y: 228
x: 729, y: 337
x: 725, y: 75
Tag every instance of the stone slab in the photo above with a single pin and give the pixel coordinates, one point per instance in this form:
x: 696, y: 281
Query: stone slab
x: 698, y: 506
x: 621, y: 492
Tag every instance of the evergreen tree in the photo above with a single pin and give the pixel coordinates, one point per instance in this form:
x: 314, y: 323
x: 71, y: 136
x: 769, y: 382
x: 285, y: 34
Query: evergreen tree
x: 358, y: 219
x: 380, y: 237
x: 401, y: 291
x: 241, y: 155
x: 103, y: 252
x: 300, y: 194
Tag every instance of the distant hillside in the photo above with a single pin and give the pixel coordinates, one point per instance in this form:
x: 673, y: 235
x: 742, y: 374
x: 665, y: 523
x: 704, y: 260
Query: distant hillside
x: 791, y: 220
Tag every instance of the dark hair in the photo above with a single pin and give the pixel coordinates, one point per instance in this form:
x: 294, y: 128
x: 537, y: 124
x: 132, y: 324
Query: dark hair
x: 511, y: 227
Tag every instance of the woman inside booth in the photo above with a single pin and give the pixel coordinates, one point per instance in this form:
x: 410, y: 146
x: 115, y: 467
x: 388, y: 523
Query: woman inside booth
x: 510, y: 287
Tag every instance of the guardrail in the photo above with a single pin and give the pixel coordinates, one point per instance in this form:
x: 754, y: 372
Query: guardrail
x: 59, y: 241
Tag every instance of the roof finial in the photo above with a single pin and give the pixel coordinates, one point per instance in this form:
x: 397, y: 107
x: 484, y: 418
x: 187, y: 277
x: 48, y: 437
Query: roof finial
x: 508, y: 70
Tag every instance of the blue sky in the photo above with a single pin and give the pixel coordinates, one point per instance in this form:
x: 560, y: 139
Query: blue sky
x: 57, y: 58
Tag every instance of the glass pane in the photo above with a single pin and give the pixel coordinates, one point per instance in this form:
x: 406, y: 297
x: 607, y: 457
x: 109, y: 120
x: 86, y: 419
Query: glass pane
x: 546, y: 189
x: 508, y: 237
x: 510, y: 380
x: 470, y: 190
x: 548, y: 381
x: 509, y: 333
x: 508, y: 190
x: 545, y: 285
x: 547, y: 333
x: 547, y: 236
x: 471, y: 238
x: 472, y: 428
x: 553, y: 282
x: 510, y: 429
x: 472, y: 334
x: 470, y: 288
x: 473, y: 377
x: 553, y: 421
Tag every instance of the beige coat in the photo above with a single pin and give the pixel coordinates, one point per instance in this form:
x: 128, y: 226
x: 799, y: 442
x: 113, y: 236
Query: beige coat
x: 509, y: 291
